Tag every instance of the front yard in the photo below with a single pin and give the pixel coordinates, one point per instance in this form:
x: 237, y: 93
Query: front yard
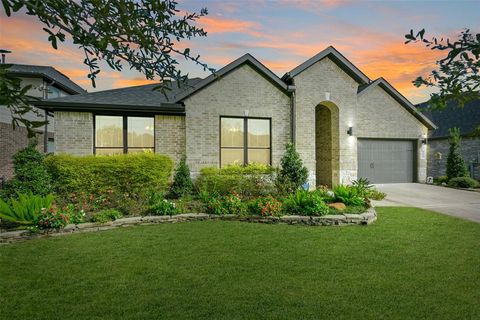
x: 410, y: 264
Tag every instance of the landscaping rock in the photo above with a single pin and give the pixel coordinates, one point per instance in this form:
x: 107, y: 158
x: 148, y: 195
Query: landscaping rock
x: 338, y: 206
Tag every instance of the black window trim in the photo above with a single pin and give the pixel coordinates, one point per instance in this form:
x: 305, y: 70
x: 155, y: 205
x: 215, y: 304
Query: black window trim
x: 245, y: 147
x: 124, y: 130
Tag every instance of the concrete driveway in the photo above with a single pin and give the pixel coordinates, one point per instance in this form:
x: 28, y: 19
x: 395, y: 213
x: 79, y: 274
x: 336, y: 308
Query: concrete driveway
x: 453, y: 202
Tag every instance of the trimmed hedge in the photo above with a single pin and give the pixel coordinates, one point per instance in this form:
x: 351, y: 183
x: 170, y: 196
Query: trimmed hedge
x: 130, y: 173
x: 463, y: 182
x: 248, y: 181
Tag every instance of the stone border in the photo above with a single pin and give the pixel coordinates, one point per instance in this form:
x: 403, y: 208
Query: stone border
x: 365, y: 218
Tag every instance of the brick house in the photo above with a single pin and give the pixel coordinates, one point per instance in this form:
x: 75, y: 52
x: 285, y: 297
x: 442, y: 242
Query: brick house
x: 343, y: 124
x: 46, y: 83
x: 467, y: 119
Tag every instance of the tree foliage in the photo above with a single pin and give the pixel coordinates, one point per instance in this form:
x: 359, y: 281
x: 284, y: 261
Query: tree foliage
x: 457, y: 75
x: 144, y: 35
x: 293, y: 174
x: 455, y: 164
x: 182, y: 182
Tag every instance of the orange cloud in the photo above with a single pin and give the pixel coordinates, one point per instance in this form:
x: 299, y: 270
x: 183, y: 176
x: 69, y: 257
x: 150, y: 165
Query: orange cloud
x: 220, y: 25
x: 119, y: 83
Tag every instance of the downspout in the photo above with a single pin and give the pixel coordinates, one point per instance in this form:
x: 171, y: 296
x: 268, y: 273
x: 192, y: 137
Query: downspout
x: 293, y: 127
x: 45, y: 127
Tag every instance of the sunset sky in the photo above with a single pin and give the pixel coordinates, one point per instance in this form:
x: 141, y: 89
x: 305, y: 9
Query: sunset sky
x: 281, y: 34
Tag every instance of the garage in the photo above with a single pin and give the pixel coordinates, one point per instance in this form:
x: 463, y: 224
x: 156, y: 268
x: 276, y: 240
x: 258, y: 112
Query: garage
x: 386, y: 161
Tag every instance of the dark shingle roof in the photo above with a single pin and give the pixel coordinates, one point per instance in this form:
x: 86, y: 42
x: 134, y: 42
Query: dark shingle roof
x: 142, y: 95
x: 49, y: 73
x: 466, y: 118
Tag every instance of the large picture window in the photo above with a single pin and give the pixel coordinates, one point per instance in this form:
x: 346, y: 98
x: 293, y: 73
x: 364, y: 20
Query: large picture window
x: 123, y: 134
x: 244, y: 141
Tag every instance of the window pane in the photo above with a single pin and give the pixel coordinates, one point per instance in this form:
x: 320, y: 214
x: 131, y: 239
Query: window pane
x: 140, y: 132
x: 108, y: 131
x: 259, y: 156
x: 140, y: 150
x: 232, y: 132
x: 231, y: 156
x: 259, y: 133
x: 108, y: 151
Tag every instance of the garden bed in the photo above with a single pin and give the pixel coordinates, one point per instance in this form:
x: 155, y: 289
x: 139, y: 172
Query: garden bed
x: 365, y: 218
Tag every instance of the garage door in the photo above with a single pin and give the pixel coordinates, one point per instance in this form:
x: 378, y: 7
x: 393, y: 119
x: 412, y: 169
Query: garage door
x: 386, y: 161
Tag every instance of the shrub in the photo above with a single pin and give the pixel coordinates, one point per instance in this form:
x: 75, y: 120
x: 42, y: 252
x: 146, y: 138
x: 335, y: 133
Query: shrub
x: 247, y: 181
x: 349, y: 195
x: 26, y: 209
x: 305, y: 203
x: 375, y: 194
x: 230, y: 204
x: 455, y: 164
x: 30, y: 173
x: 363, y: 186
x: 266, y: 206
x: 163, y: 208
x: 293, y: 174
x: 117, y: 181
x: 463, y: 182
x: 324, y: 193
x: 182, y: 182
x: 440, y: 180
x: 52, y: 218
x: 107, y: 215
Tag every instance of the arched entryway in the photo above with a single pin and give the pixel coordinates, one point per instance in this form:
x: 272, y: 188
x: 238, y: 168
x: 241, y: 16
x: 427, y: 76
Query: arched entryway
x: 327, y: 148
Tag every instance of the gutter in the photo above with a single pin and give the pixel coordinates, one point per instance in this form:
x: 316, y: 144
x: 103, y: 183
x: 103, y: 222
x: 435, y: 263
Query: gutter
x: 293, y: 128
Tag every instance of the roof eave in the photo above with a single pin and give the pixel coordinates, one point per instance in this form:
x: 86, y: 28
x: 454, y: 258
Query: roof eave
x: 164, y: 108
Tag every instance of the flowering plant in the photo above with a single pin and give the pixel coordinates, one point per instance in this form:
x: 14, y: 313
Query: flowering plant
x: 52, y: 218
x: 266, y: 206
x: 164, y: 208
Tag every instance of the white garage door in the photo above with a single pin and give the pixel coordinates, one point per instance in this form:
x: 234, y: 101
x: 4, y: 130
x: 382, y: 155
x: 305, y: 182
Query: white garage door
x: 386, y: 161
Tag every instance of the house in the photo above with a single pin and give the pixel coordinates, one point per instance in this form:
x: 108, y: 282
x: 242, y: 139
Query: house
x: 467, y: 119
x: 46, y: 82
x: 344, y: 125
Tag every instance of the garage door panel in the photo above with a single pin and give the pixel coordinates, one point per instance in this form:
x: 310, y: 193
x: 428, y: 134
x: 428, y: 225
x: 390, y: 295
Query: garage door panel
x: 385, y: 161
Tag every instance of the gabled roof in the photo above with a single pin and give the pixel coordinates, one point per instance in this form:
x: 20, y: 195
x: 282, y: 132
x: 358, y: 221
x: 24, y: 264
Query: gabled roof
x: 60, y: 80
x: 138, y: 98
x: 336, y: 57
x: 245, y: 59
x: 466, y: 119
x: 381, y: 82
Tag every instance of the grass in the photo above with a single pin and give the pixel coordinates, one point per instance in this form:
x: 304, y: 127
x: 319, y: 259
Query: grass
x: 410, y: 264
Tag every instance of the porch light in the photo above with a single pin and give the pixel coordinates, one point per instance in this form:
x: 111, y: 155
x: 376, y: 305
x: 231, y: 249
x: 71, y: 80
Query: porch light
x: 424, y: 141
x: 350, y: 131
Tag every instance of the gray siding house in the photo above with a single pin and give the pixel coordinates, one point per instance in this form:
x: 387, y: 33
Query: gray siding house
x: 344, y: 125
x: 467, y: 119
x: 46, y: 82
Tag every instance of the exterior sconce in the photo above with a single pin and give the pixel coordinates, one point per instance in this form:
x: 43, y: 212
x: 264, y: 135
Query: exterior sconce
x: 350, y: 131
x: 424, y: 141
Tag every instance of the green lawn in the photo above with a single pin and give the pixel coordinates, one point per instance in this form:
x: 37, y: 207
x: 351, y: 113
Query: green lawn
x: 411, y: 263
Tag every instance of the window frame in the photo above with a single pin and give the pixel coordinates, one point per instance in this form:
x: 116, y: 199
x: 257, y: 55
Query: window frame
x: 124, y: 130
x: 245, y: 138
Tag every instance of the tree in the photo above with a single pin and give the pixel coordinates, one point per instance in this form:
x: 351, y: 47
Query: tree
x: 182, y: 182
x: 293, y: 174
x: 455, y: 164
x: 144, y: 35
x: 30, y: 173
x: 457, y: 77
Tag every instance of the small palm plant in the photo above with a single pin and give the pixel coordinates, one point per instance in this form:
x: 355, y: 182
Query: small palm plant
x: 26, y: 209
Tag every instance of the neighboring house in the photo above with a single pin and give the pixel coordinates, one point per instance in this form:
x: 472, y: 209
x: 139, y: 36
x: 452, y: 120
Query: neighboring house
x: 467, y: 119
x: 46, y: 83
x: 344, y: 125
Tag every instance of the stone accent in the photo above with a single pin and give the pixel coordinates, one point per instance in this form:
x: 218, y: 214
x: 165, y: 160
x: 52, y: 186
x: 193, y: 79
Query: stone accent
x: 170, y: 136
x: 373, y: 114
x: 469, y: 148
x: 74, y: 133
x: 242, y: 91
x: 365, y: 218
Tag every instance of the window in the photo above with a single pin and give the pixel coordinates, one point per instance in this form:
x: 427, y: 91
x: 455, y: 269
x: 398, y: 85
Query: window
x: 123, y: 134
x: 244, y: 140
